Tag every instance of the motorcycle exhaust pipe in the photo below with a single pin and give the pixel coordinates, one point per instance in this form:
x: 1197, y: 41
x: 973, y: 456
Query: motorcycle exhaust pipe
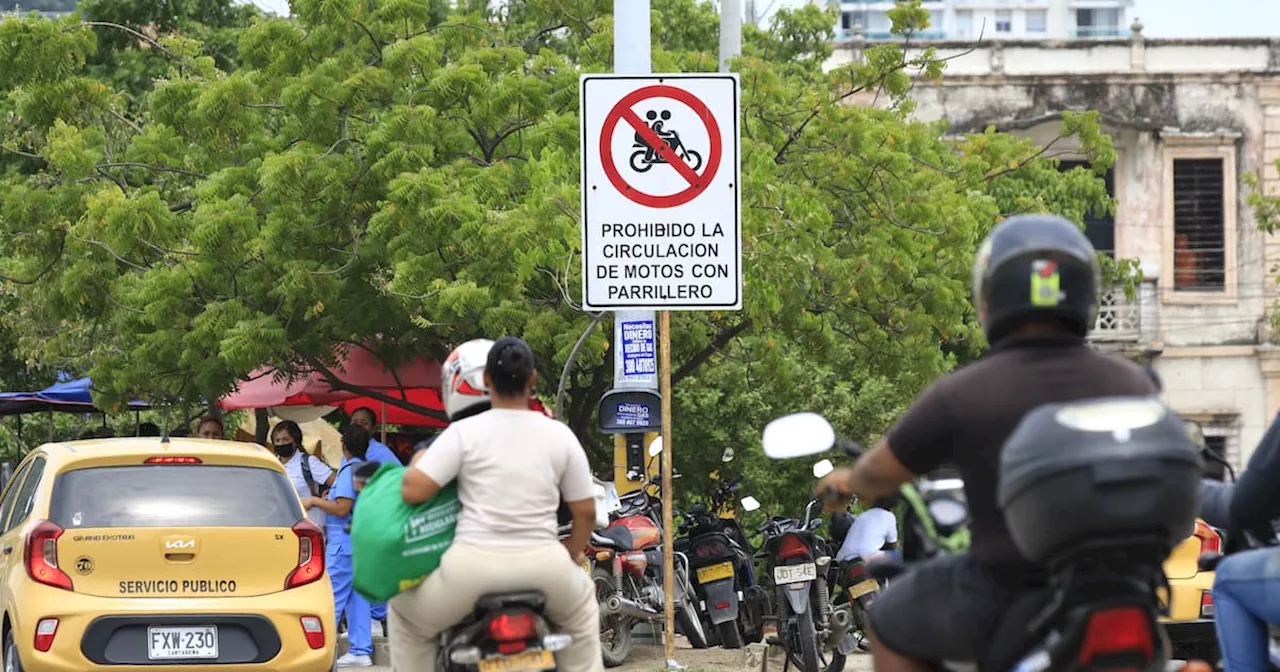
x: 618, y: 605
x: 841, y: 623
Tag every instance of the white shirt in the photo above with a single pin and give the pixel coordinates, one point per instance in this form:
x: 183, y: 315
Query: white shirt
x: 512, y: 467
x: 868, y: 534
x: 319, y: 471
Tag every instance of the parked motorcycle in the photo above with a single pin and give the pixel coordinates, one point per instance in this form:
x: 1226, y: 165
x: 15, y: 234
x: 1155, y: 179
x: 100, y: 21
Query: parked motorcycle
x: 1122, y: 467
x: 627, y: 574
x: 728, y: 597
x: 797, y: 562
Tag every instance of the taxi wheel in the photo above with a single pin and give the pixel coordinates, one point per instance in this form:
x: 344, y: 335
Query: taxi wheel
x: 11, y: 661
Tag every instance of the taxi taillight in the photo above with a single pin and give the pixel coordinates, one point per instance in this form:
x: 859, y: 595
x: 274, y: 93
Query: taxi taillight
x: 41, y: 556
x: 172, y: 459
x: 310, y: 555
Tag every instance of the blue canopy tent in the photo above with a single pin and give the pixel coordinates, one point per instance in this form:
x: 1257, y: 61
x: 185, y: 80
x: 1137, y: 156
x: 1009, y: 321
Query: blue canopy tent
x: 72, y: 396
x: 65, y: 396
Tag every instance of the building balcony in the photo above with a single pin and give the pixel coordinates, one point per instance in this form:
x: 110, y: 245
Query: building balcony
x: 1124, y: 320
x: 844, y: 35
x: 1098, y: 32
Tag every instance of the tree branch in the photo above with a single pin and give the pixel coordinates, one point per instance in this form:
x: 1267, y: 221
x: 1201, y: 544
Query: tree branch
x: 158, y: 169
x: 568, y: 365
x: 721, y: 340
x: 140, y: 36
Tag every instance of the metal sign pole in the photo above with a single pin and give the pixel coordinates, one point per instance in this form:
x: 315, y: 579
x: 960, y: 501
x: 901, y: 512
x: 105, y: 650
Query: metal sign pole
x: 668, y: 554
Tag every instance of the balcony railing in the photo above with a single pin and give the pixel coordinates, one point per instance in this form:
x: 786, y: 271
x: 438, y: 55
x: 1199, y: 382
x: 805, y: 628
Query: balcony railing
x: 1089, y: 32
x: 843, y: 34
x: 1122, y: 320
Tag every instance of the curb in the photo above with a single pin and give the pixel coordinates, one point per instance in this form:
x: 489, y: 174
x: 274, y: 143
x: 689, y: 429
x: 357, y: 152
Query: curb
x: 381, y: 650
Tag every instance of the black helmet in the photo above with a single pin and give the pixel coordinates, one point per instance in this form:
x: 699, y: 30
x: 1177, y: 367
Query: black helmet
x: 1035, y: 266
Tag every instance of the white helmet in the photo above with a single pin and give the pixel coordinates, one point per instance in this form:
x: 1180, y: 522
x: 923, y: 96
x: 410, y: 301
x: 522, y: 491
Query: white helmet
x: 462, y: 377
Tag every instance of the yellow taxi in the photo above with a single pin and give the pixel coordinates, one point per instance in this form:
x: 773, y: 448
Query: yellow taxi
x: 1190, y: 620
x: 182, y: 554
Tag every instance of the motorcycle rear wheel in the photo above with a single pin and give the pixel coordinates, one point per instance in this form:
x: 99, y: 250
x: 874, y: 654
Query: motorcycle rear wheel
x: 615, y: 651
x: 730, y: 635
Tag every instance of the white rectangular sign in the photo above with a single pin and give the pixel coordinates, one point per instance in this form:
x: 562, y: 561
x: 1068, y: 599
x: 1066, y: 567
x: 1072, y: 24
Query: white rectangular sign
x: 661, y: 212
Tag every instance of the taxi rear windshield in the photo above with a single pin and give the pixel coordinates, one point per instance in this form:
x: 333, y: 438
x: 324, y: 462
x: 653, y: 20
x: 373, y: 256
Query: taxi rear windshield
x: 174, y: 496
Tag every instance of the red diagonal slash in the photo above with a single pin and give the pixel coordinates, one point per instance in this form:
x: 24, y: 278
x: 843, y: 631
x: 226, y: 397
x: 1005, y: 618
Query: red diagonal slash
x: 661, y: 147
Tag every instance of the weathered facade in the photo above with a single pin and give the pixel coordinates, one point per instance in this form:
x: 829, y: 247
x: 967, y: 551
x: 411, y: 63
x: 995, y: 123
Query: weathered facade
x: 1190, y: 119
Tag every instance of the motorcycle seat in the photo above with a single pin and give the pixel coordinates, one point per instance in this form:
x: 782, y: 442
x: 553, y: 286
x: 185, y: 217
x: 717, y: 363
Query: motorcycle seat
x: 531, y: 599
x: 618, y: 538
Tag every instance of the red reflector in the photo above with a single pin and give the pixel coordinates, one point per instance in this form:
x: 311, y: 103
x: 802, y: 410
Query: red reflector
x: 310, y: 555
x: 792, y: 547
x: 313, y: 630
x: 513, y: 627
x: 722, y: 605
x: 46, y: 630
x: 1117, y: 631
x: 41, y: 556
x: 508, y: 648
x: 172, y: 459
x: 856, y: 571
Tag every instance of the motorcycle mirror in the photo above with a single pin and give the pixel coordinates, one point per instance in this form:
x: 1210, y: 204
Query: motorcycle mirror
x: 797, y: 435
x: 727, y: 455
x: 823, y: 468
x: 750, y: 503
x: 655, y: 448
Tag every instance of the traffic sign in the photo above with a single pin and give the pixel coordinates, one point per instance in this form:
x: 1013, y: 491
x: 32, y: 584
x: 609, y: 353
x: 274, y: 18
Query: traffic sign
x: 661, y: 206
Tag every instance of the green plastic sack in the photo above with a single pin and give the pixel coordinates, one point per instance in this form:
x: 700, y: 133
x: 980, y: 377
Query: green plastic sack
x: 394, y: 545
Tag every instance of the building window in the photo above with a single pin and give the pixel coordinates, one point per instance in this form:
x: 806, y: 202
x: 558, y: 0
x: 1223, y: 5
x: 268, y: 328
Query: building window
x: 1004, y: 21
x: 1218, y: 446
x: 1199, y: 220
x: 1199, y: 225
x: 1099, y: 227
x: 964, y: 23
x: 1037, y: 20
x: 1097, y: 22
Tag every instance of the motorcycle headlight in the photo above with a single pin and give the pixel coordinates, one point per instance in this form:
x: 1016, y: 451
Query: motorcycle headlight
x: 948, y: 513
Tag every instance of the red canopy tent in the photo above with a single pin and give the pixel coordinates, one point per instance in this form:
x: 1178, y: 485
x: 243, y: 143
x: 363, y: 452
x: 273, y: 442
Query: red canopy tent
x: 417, y: 382
x: 419, y: 378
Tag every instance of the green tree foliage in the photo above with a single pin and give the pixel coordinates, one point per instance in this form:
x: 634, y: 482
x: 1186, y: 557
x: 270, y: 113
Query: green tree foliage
x: 403, y: 173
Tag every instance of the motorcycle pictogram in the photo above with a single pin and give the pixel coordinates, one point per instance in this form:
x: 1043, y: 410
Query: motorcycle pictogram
x: 646, y: 157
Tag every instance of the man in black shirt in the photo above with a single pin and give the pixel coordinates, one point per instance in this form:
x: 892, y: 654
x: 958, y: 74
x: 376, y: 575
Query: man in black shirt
x: 1036, y: 290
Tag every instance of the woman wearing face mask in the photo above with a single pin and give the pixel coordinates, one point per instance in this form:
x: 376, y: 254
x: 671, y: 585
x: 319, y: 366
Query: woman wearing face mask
x: 310, y: 477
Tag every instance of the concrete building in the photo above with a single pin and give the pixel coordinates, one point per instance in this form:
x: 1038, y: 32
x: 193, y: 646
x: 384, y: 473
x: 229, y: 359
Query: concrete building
x: 994, y: 19
x: 1190, y: 118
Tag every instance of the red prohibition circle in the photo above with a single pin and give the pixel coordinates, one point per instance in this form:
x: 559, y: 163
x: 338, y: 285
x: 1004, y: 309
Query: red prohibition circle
x: 623, y: 111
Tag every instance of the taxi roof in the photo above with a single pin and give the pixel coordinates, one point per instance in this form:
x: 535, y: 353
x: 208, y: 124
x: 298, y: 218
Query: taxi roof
x: 136, y: 449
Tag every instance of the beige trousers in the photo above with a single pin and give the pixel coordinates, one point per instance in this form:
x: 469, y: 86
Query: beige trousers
x: 419, y: 615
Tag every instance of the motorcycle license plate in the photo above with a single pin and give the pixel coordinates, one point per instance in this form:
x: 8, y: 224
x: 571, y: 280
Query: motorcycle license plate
x: 723, y: 570
x: 529, y: 660
x: 864, y: 587
x: 795, y: 573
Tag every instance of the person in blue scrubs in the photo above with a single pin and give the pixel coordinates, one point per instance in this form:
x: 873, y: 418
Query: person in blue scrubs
x: 378, y: 452
x: 338, y: 504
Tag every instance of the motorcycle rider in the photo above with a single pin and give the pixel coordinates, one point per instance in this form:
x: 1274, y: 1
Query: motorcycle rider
x: 513, y: 467
x: 873, y: 531
x: 1035, y: 288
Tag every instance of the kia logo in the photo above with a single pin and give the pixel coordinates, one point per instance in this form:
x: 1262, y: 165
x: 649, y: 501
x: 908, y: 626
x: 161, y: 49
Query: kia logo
x: 180, y: 543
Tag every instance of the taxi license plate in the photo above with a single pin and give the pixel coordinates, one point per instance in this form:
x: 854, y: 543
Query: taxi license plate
x: 182, y: 643
x: 529, y: 660
x: 723, y: 570
x: 864, y: 587
x: 795, y: 573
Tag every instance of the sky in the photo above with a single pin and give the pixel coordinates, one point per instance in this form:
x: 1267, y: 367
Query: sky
x: 1161, y: 18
